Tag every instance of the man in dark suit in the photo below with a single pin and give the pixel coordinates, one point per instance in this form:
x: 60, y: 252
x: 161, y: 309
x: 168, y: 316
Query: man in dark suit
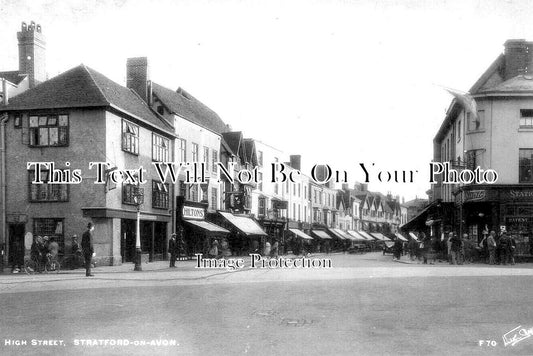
x: 88, y: 250
x: 172, y: 249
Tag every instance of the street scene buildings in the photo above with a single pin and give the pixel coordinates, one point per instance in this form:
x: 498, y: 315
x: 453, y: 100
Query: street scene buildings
x: 81, y: 116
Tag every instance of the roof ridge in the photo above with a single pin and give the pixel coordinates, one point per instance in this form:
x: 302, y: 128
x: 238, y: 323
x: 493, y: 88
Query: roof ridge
x: 88, y: 70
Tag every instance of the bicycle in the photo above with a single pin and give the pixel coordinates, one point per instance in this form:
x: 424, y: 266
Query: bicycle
x: 33, y: 265
x: 52, y: 264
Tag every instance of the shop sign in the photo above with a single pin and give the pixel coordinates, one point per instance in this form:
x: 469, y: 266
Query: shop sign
x: 519, y: 220
x: 475, y: 195
x: 189, y: 212
x: 521, y: 194
x: 17, y: 218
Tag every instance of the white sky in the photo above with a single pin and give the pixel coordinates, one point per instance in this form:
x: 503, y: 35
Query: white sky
x: 340, y: 82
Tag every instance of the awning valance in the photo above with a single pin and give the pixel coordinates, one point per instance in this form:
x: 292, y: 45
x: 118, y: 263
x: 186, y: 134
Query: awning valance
x: 336, y: 234
x: 380, y: 236
x: 207, y: 226
x: 321, y: 234
x: 367, y: 235
x: 357, y: 236
x: 244, y: 224
x: 345, y: 235
x: 401, y: 237
x: 301, y: 234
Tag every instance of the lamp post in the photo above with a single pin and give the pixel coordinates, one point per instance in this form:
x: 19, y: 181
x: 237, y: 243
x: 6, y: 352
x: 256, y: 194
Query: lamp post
x: 138, y: 198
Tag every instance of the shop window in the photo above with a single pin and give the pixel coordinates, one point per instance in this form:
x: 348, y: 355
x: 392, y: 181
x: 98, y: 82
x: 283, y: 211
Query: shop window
x: 525, y: 163
x: 46, y: 192
x: 160, y: 196
x: 526, y: 118
x: 130, y: 137
x: 160, y: 148
x: 48, y: 130
x: 262, y: 206
x: 181, y: 149
x: 475, y: 123
x: 51, y: 228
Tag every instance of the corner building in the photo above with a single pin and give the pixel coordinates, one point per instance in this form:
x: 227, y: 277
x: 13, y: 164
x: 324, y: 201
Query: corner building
x: 498, y: 136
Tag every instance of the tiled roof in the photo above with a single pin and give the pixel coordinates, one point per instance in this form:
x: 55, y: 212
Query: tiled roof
x: 13, y: 76
x: 80, y: 87
x: 518, y: 84
x: 185, y: 105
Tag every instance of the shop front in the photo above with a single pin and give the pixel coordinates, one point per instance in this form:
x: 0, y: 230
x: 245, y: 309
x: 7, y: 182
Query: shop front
x: 496, y: 207
x: 245, y: 235
x: 197, y: 234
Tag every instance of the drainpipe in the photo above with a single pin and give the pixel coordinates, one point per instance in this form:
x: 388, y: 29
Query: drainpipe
x: 3, y: 121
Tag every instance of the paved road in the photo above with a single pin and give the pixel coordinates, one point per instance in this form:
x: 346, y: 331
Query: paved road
x: 365, y: 305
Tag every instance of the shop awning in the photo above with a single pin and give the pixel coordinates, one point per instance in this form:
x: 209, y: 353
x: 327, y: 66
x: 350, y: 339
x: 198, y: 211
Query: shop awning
x: 357, y: 236
x: 301, y: 234
x: 413, y: 236
x: 345, y: 235
x: 321, y: 234
x: 380, y: 236
x: 336, y: 234
x: 367, y: 235
x: 244, y: 224
x: 207, y: 226
x: 401, y: 237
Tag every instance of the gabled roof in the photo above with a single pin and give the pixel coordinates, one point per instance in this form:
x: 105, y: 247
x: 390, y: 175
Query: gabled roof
x: 13, y: 76
x: 183, y: 104
x: 226, y: 147
x: 82, y: 87
x: 234, y: 141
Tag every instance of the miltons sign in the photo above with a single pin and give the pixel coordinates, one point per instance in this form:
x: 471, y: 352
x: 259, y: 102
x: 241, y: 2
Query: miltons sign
x: 189, y: 212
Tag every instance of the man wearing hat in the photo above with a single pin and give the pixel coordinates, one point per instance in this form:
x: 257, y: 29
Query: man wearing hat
x: 88, y: 250
x: 172, y: 247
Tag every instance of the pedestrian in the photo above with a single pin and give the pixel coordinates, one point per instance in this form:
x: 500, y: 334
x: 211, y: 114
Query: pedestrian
x: 397, y: 249
x: 412, y: 246
x: 266, y: 251
x: 468, y: 249
x: 53, y: 248
x: 504, y: 245
x: 424, y: 246
x: 455, y: 248
x: 88, y: 249
x: 213, y: 251
x: 491, y: 247
x: 512, y: 248
x: 449, y: 247
x: 172, y: 249
x: 275, y: 250
x: 17, y: 256
x: 433, y: 250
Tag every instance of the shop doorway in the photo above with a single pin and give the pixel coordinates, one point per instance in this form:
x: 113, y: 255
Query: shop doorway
x: 127, y: 245
x: 16, y: 234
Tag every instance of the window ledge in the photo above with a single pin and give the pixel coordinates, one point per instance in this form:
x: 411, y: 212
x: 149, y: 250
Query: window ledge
x: 475, y: 132
x: 525, y: 129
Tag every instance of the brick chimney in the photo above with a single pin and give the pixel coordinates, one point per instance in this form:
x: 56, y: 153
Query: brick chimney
x: 138, y: 78
x: 518, y: 58
x: 296, y: 161
x: 32, y: 50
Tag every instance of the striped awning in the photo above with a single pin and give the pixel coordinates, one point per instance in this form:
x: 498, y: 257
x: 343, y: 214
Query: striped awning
x: 301, y: 234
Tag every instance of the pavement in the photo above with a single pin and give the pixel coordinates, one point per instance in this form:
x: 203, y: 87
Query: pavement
x: 364, y: 305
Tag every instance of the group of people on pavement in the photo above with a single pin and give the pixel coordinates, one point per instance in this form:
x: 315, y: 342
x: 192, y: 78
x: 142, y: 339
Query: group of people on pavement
x: 458, y: 250
x: 42, y: 248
